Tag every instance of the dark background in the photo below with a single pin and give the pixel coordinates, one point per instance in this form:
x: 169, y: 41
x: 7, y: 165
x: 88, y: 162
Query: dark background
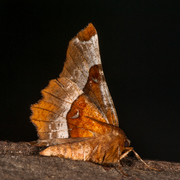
x: 139, y: 45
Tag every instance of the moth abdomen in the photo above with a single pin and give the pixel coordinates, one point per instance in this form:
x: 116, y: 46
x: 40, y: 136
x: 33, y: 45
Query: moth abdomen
x: 88, y: 150
x: 74, y: 151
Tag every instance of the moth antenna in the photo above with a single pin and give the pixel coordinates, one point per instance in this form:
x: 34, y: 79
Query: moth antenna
x: 139, y: 158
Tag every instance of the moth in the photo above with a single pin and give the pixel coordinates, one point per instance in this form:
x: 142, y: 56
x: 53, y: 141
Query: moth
x: 76, y: 117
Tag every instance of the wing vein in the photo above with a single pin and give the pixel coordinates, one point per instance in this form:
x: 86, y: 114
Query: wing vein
x: 57, y: 97
x: 48, y: 120
x: 82, y: 55
x: 61, y: 85
x: 78, y: 66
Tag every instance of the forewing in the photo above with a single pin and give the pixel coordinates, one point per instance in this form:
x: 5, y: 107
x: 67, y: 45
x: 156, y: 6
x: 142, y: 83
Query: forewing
x: 83, y: 66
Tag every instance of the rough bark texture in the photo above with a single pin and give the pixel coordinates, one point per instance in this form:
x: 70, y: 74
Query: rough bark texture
x: 21, y: 161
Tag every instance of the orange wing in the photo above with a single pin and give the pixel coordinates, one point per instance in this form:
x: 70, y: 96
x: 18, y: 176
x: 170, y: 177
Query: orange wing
x: 78, y: 103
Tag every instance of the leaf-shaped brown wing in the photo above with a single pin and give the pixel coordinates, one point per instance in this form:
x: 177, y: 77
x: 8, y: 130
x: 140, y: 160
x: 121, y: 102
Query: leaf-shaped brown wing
x: 83, y: 66
x: 78, y: 102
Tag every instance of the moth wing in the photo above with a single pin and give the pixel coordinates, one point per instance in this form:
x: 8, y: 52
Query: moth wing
x: 78, y: 103
x: 83, y: 66
x: 65, y: 111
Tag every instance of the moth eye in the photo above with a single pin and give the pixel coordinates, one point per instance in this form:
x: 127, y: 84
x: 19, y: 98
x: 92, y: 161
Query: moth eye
x: 126, y: 143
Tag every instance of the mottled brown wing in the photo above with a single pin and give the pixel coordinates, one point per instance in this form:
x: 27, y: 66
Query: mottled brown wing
x: 78, y: 103
x: 83, y: 66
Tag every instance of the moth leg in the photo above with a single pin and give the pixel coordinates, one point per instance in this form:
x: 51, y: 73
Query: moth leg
x: 139, y: 158
x: 129, y: 149
x: 122, y: 170
x: 126, y: 153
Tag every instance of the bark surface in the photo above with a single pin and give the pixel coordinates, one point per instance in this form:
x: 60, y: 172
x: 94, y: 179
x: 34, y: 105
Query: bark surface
x: 22, y: 161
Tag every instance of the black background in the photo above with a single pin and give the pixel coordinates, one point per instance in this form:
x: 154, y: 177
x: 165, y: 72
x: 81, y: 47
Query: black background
x: 139, y: 46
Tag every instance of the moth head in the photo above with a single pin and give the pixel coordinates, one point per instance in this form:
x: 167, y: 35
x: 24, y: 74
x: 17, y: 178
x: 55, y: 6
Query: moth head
x: 124, y: 141
x: 123, y: 136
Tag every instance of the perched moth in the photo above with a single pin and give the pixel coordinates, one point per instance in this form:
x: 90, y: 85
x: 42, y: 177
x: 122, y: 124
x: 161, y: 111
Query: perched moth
x: 76, y: 116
